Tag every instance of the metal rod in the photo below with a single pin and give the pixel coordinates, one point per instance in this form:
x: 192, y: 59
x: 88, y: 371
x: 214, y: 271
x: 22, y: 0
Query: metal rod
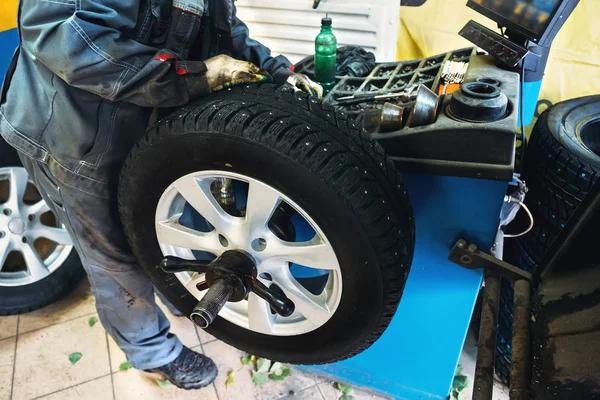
x: 486, y: 348
x: 521, y: 362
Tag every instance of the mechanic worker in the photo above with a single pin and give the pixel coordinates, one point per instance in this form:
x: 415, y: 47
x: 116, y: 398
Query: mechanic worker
x: 80, y: 91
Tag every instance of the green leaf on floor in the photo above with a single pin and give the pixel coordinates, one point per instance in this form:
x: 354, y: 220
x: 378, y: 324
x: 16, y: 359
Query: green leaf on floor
x: 230, y: 379
x: 165, y: 384
x: 459, y: 383
x: 247, y: 360
x: 347, y: 397
x: 74, y: 357
x: 279, y: 372
x: 92, y: 321
x: 263, y: 365
x: 259, y: 378
x: 124, y: 366
x: 345, y: 389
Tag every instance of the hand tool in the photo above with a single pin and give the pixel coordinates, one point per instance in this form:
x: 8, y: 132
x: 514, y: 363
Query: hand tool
x: 405, y: 95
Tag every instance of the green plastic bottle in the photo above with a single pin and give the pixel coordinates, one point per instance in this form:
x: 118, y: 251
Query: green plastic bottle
x: 325, y: 56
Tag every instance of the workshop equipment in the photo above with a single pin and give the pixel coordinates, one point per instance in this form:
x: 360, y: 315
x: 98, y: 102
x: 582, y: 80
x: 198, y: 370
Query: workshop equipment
x: 393, y: 82
x: 436, y: 307
x: 389, y: 118
x: 455, y: 191
x: 425, y: 109
x: 325, y: 56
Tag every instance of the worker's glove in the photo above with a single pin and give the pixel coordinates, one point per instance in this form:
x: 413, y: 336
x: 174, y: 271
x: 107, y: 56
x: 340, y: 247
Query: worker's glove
x: 223, y: 72
x: 303, y: 82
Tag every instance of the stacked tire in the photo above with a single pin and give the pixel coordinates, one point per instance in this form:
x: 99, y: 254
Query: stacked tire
x: 19, y: 298
x: 561, y: 166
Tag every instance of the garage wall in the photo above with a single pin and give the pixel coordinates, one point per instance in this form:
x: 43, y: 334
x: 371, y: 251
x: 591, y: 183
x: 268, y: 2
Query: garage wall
x: 574, y: 66
x: 290, y: 27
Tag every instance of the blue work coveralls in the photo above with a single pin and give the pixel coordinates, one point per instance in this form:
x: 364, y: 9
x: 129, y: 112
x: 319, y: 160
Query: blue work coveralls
x: 79, y: 93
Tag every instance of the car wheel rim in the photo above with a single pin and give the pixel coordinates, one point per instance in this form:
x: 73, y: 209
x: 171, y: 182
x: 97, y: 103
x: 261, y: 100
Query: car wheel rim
x: 33, y: 244
x: 211, y: 230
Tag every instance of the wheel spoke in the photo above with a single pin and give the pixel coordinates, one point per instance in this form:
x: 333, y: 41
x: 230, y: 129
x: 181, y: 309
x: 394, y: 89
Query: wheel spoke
x: 259, y: 315
x: 197, y: 193
x: 5, y: 249
x: 39, y: 208
x: 314, y: 308
x: 35, y: 265
x: 18, y: 184
x: 311, y: 254
x: 171, y: 232
x: 262, y: 202
x: 57, y: 235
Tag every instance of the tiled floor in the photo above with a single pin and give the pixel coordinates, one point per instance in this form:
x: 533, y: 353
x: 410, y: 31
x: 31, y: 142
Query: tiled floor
x: 34, y: 362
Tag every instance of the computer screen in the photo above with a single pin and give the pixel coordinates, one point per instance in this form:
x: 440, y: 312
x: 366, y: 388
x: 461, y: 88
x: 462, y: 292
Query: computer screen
x: 527, y: 17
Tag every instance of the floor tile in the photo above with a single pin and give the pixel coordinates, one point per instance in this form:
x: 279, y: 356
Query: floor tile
x: 43, y: 366
x: 134, y: 385
x: 311, y: 393
x: 7, y: 358
x: 181, y: 326
x: 99, y: 389
x: 8, y: 326
x: 77, y: 304
x: 227, y: 359
x: 205, y: 337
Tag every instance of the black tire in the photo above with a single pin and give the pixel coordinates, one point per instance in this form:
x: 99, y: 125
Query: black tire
x: 22, y: 299
x: 562, y: 165
x: 315, y: 156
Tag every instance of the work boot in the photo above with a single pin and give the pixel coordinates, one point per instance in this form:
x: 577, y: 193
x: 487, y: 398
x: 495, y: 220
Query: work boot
x: 190, y: 370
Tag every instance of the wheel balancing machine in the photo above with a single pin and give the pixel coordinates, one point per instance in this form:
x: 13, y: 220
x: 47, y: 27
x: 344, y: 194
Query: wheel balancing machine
x: 456, y: 152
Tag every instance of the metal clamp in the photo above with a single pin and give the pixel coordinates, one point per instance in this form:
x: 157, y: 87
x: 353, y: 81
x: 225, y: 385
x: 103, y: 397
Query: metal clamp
x: 470, y: 257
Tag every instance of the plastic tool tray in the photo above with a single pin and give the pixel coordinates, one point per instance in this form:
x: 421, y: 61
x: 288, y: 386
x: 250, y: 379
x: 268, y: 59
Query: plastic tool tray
x: 388, y: 78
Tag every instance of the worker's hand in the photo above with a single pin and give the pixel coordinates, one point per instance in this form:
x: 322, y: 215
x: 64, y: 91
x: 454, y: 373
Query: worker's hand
x: 302, y: 82
x: 224, y: 71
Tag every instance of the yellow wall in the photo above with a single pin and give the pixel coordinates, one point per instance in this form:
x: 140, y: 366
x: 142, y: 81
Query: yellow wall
x: 574, y: 66
x: 8, y: 14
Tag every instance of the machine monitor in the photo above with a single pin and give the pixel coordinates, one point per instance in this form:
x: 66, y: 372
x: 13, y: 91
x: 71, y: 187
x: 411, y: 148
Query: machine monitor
x: 529, y: 18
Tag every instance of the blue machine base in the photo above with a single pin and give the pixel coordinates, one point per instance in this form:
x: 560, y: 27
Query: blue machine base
x: 417, y: 356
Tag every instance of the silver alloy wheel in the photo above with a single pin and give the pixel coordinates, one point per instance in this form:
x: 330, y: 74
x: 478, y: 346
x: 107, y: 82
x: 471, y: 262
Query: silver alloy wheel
x: 251, y: 233
x: 21, y: 228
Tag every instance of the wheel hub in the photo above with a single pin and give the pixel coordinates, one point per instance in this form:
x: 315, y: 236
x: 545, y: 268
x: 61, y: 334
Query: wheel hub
x: 17, y: 226
x: 258, y: 226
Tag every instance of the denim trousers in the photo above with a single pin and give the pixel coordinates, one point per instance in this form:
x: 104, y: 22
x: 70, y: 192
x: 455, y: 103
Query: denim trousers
x: 125, y: 296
